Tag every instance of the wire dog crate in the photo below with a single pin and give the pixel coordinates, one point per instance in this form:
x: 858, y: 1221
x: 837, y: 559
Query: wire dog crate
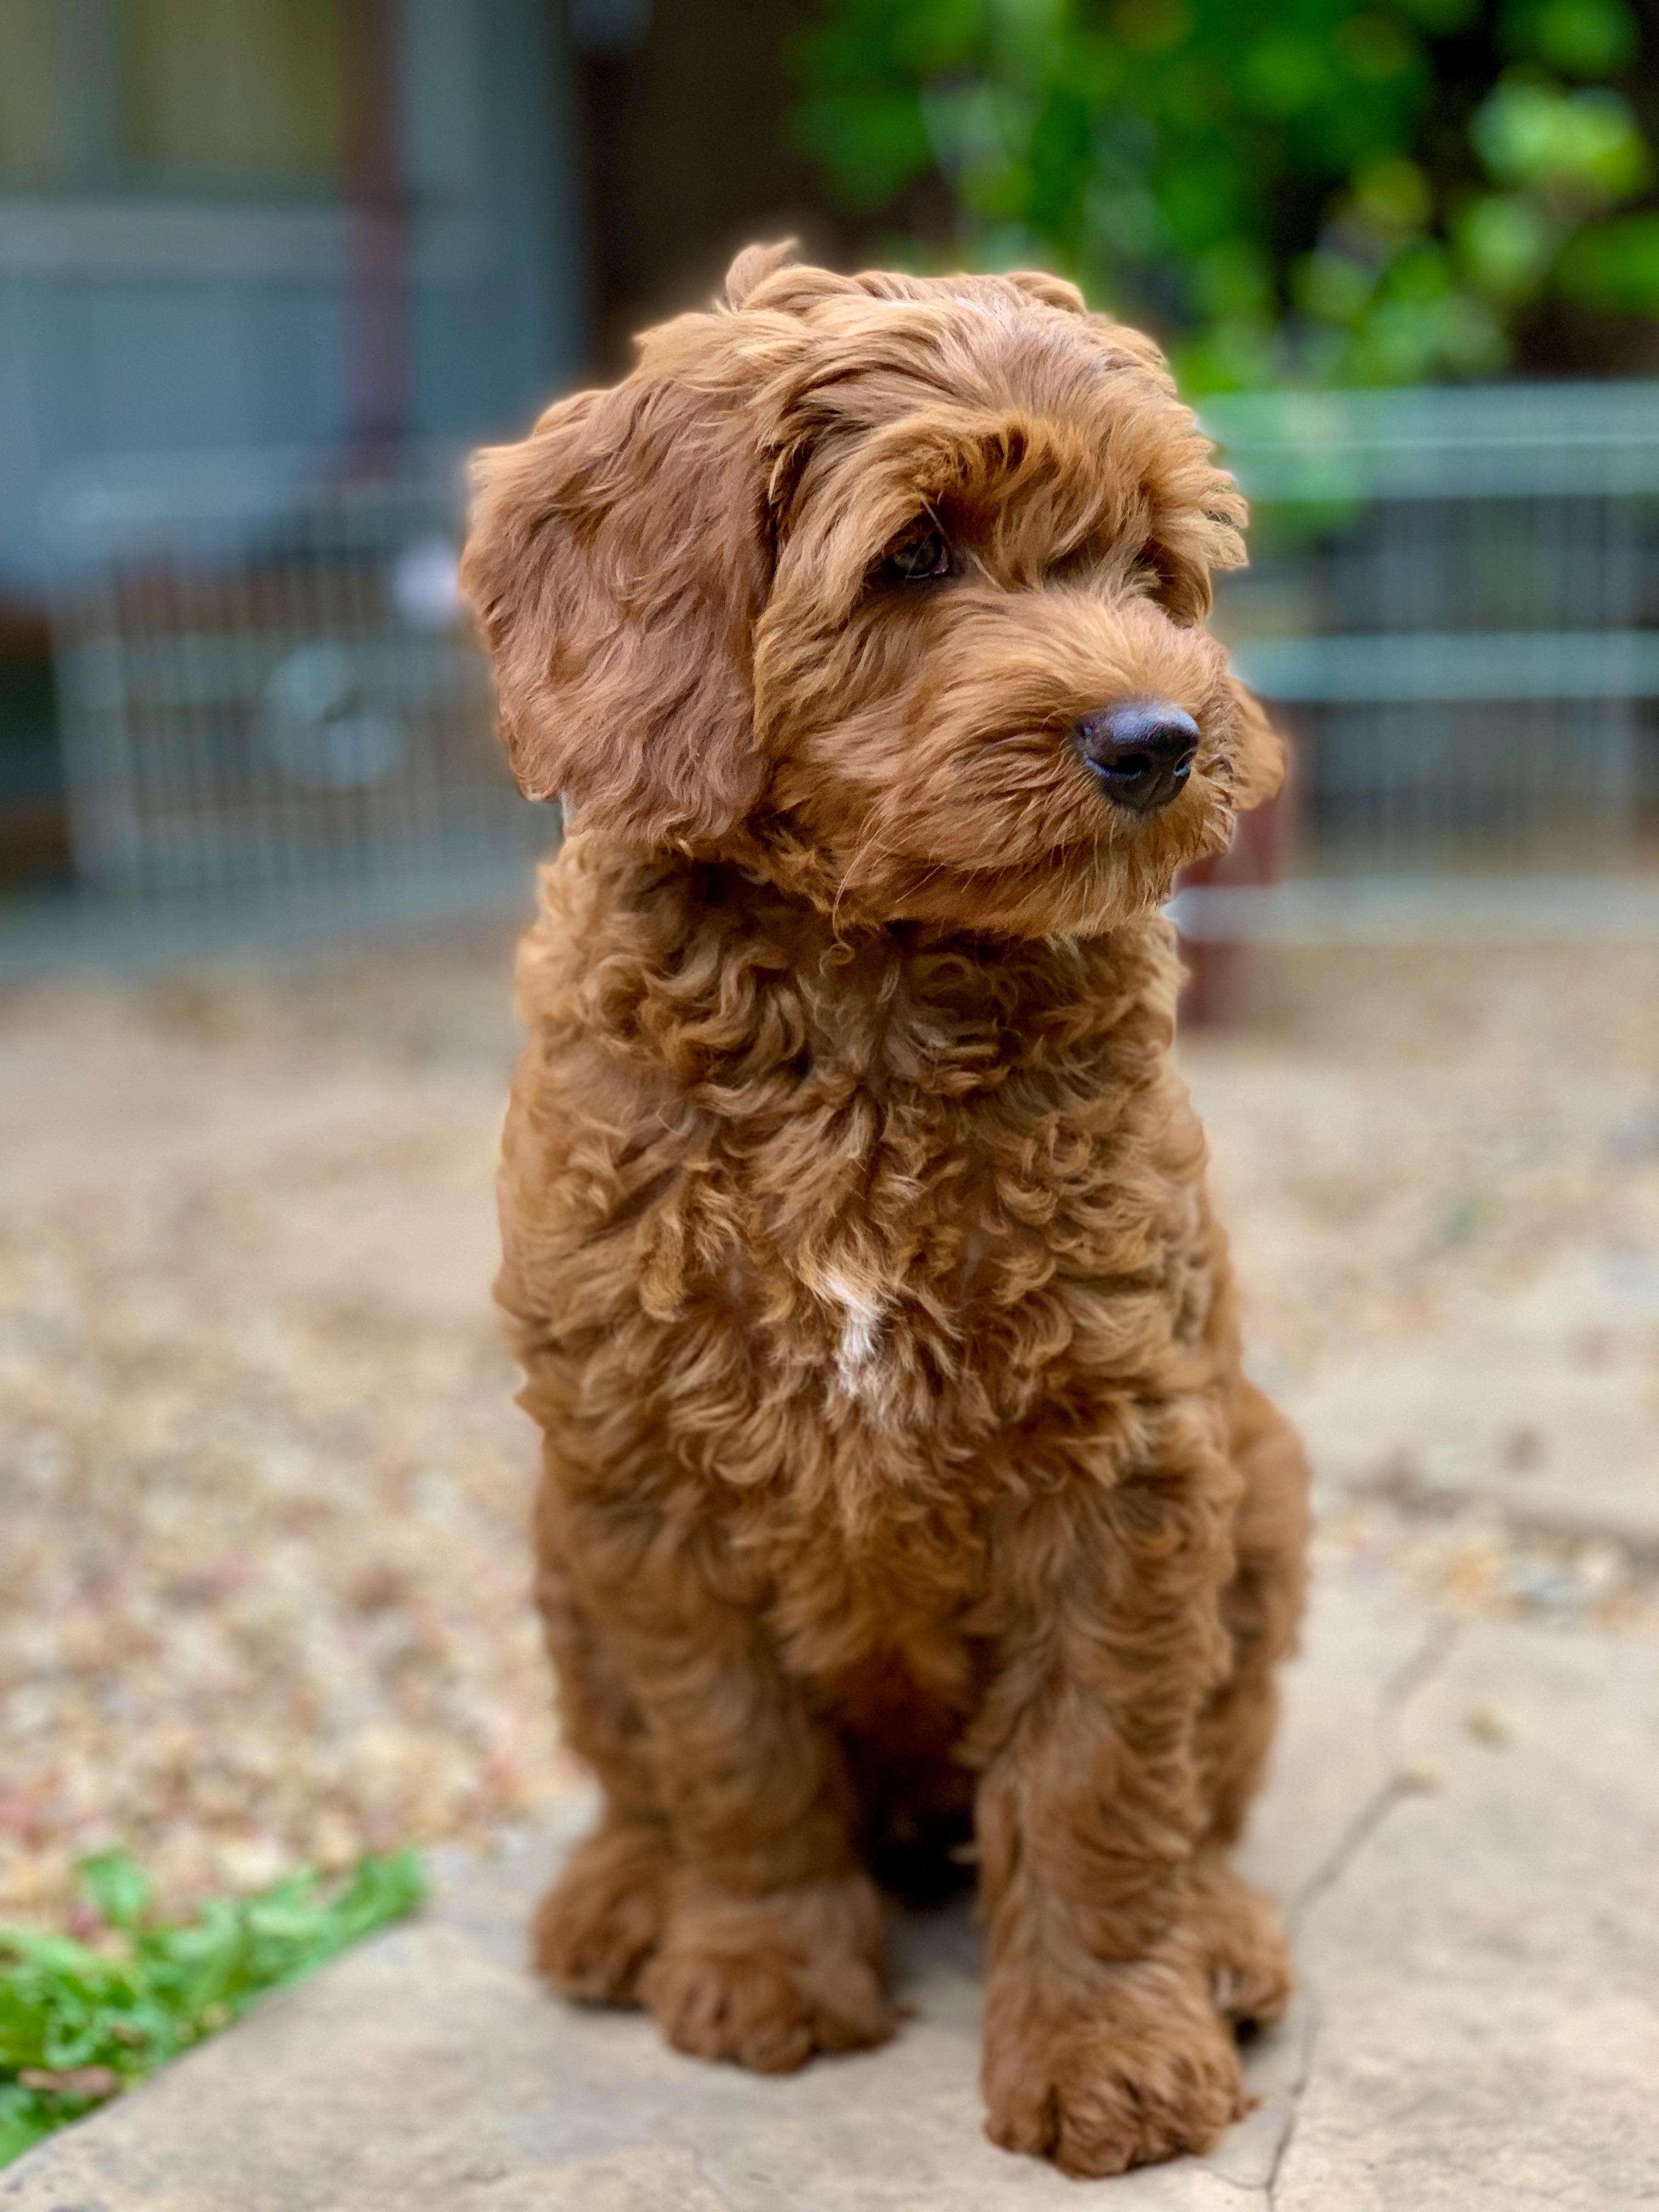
x: 268, y: 686
x: 1453, y: 608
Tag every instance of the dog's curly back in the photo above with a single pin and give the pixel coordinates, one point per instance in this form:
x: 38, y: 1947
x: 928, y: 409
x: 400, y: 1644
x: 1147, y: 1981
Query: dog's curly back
x: 901, y: 1476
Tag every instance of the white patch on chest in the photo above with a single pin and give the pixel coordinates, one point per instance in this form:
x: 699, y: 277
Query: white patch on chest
x: 858, y: 1352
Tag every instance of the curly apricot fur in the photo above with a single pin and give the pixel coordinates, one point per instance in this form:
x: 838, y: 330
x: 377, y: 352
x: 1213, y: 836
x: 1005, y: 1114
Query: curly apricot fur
x: 900, y: 1472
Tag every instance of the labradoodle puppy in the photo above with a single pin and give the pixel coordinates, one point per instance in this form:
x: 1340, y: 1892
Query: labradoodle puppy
x: 904, y: 1499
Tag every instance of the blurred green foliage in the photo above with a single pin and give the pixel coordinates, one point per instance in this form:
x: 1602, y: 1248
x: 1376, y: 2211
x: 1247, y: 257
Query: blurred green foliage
x: 81, y: 2020
x: 1323, y: 192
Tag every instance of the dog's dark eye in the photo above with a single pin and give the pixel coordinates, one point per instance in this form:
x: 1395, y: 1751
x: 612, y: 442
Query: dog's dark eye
x: 925, y: 556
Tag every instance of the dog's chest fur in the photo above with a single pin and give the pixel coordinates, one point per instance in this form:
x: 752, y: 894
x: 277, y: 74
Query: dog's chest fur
x: 835, y: 1249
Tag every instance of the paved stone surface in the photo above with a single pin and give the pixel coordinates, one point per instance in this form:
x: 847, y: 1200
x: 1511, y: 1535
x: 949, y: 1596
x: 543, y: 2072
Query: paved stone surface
x: 1554, y: 1421
x: 1464, y: 1824
x: 1484, y: 2018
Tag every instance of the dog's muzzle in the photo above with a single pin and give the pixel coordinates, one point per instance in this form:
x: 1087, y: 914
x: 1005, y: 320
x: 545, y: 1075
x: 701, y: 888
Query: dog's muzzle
x: 1141, y: 751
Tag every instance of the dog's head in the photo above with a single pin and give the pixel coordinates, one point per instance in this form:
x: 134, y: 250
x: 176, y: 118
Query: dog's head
x: 890, y: 588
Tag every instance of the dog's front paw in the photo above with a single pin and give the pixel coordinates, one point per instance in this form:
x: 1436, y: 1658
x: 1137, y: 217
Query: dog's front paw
x: 1133, y: 2065
x: 604, y: 1917
x: 766, y: 1981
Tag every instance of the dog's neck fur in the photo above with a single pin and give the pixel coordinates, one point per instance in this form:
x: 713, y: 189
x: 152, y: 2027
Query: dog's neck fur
x: 907, y: 1126
x: 712, y: 971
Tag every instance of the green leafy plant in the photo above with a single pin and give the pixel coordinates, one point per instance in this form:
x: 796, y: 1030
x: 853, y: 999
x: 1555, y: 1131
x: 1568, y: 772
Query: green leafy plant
x: 80, y: 2021
x: 1322, y: 192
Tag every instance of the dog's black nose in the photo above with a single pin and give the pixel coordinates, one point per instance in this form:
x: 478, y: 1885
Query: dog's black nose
x: 1142, y: 750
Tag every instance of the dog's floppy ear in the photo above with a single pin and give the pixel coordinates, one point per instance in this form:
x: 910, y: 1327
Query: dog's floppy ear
x: 618, y: 558
x: 1261, y: 759
x: 1052, y: 291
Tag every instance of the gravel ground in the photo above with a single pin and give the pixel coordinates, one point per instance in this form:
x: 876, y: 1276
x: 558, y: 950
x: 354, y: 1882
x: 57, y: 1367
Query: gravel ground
x: 263, y: 1590
x: 263, y: 1587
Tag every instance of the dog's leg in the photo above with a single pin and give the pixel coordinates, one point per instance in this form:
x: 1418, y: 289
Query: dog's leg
x: 1103, y: 2046
x: 773, y: 1947
x: 1261, y: 1607
x: 729, y: 1845
x: 604, y: 1917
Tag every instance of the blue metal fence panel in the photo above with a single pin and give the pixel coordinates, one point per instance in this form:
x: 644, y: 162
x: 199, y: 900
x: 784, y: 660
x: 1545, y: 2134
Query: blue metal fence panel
x: 1453, y: 605
x: 268, y: 682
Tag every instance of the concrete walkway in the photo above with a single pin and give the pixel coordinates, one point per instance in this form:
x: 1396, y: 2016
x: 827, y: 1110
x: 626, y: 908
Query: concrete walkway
x: 1463, y: 1824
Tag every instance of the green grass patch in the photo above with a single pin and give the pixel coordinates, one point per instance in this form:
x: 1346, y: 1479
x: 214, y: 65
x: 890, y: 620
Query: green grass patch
x: 80, y: 2021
